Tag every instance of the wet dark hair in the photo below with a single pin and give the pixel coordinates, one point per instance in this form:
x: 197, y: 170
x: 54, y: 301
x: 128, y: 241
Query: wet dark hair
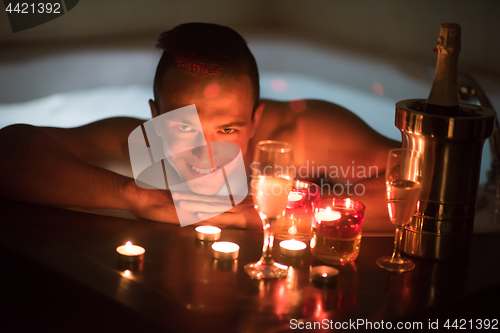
x: 207, y: 49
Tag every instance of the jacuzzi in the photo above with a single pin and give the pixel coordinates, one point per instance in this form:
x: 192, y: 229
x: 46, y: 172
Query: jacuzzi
x: 71, y: 88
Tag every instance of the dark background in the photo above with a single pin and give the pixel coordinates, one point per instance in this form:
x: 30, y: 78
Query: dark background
x: 396, y: 28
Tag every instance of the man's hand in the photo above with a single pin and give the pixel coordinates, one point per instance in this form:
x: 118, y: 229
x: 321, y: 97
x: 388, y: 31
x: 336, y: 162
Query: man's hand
x: 154, y: 205
x: 158, y: 205
x: 201, y: 203
x: 217, y: 210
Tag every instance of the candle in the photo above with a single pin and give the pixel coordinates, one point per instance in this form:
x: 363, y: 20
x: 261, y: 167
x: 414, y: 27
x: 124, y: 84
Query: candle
x: 327, y: 215
x: 292, y: 248
x: 225, y: 265
x: 294, y: 196
x: 207, y: 233
x: 293, y: 229
x: 323, y: 276
x: 130, y: 250
x: 225, y: 250
x: 130, y: 256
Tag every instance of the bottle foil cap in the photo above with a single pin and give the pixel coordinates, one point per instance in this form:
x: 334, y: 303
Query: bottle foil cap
x: 449, y: 40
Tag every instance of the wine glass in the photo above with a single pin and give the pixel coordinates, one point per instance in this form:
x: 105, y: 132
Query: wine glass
x: 272, y: 181
x: 403, y: 183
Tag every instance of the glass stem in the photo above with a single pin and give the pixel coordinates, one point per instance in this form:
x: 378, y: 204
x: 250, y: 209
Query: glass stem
x: 267, y: 248
x: 398, y: 234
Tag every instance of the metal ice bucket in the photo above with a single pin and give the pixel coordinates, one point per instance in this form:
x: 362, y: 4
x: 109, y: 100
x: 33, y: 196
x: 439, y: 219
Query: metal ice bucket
x: 443, y: 224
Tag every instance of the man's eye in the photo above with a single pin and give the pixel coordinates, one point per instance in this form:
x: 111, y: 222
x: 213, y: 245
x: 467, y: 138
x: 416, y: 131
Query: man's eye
x: 228, y: 130
x: 185, y: 128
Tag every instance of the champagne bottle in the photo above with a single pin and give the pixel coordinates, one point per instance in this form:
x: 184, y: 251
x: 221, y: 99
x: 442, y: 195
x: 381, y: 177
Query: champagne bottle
x: 443, y: 97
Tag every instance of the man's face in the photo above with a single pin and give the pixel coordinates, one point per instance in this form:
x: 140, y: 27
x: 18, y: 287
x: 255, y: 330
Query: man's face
x: 224, y: 106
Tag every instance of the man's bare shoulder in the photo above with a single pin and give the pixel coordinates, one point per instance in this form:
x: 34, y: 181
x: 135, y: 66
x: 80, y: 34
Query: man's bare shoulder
x: 108, y: 127
x: 105, y: 139
x: 310, y: 107
x: 280, y: 117
x: 113, y: 123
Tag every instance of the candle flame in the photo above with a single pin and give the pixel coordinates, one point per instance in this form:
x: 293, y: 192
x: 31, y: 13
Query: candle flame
x: 130, y: 250
x: 294, y: 196
x: 324, y: 275
x: 348, y: 203
x: 293, y: 244
x: 226, y: 247
x: 328, y: 210
x: 208, y: 229
x: 313, y: 243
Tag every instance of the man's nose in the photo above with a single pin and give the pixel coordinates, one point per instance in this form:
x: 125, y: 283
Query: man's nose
x: 202, y: 153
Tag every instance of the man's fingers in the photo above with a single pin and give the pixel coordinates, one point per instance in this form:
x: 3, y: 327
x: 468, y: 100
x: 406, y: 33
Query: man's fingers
x: 206, y: 216
x: 196, y: 206
x: 184, y: 196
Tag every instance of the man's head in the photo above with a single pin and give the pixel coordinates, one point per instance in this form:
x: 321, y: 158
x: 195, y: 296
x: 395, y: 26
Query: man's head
x: 204, y: 49
x: 211, y: 67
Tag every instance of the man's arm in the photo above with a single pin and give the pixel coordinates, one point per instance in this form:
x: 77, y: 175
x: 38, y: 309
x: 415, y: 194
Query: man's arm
x: 62, y: 167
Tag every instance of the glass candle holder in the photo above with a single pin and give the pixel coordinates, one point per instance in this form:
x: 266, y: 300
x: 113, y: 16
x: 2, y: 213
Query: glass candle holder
x: 296, y: 222
x: 336, y: 230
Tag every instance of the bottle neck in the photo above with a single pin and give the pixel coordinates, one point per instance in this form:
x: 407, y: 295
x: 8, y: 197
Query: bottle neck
x: 444, y: 87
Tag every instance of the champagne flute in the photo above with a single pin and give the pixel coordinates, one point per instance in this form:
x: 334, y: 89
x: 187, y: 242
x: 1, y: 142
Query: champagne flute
x: 271, y: 183
x: 403, y: 183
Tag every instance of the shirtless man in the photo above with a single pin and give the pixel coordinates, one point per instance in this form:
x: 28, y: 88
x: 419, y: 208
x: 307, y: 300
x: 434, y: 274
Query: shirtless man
x: 89, y: 166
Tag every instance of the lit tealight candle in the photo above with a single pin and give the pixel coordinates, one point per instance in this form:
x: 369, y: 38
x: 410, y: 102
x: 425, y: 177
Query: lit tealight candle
x: 225, y: 250
x: 207, y: 233
x: 292, y: 248
x: 327, y: 215
x: 294, y: 196
x: 130, y: 256
x: 130, y: 250
x: 323, y: 276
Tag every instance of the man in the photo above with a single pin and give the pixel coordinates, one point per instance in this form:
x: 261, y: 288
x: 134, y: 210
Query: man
x: 211, y: 67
